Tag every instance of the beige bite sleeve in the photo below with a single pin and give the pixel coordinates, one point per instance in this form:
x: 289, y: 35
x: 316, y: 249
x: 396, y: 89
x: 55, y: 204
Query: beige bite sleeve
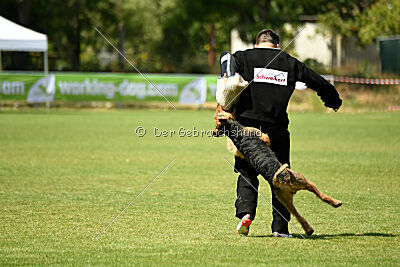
x: 229, y: 89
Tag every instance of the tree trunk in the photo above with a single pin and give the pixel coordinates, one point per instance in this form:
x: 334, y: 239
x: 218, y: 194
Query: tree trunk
x: 211, y: 57
x: 76, y: 61
x: 122, y: 46
x: 22, y: 61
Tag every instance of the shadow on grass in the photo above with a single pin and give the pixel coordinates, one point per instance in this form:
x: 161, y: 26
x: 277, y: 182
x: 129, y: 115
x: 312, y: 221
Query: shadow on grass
x: 333, y: 236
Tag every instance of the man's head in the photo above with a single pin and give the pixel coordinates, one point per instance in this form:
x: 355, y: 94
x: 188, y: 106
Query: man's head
x: 267, y: 38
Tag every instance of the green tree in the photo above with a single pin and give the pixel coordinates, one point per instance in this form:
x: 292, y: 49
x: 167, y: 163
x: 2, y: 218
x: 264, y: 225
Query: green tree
x: 187, y: 28
x: 382, y: 19
x: 366, y: 20
x: 68, y: 25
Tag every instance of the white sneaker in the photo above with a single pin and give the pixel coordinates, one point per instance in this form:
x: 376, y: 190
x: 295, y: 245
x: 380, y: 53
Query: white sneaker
x: 244, y: 225
x: 276, y: 234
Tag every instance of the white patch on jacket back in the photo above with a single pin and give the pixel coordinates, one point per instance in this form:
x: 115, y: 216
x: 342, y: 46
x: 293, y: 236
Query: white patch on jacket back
x: 270, y: 76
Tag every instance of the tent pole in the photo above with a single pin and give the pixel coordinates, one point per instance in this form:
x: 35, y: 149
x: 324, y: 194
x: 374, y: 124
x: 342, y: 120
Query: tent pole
x: 1, y: 70
x: 46, y: 65
x: 46, y: 75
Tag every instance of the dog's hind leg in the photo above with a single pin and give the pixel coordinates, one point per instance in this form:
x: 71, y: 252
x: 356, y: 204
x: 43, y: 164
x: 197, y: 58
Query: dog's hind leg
x: 286, y: 198
x: 300, y: 182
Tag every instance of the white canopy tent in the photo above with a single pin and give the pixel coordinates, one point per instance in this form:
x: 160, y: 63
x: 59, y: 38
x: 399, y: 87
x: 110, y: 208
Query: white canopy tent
x: 14, y: 37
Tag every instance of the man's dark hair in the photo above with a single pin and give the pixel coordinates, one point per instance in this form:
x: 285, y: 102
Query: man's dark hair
x: 267, y: 35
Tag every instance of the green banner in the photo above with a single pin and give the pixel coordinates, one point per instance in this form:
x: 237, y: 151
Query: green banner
x: 187, y: 89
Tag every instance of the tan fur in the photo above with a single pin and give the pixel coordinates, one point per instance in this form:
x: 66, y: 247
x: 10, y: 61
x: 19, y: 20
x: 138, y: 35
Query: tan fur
x: 216, y: 121
x: 256, y: 132
x: 232, y: 148
x: 265, y: 138
x: 293, y: 182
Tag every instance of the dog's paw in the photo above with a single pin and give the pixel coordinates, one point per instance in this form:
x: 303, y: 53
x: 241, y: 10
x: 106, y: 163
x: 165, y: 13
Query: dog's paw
x: 337, y: 204
x: 309, y: 231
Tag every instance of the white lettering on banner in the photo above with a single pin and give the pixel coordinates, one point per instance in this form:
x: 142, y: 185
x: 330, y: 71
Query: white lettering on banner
x: 12, y: 88
x: 87, y: 88
x: 125, y: 88
x: 100, y: 88
x: 167, y: 89
x: 270, y: 76
x: 66, y: 88
x: 132, y: 89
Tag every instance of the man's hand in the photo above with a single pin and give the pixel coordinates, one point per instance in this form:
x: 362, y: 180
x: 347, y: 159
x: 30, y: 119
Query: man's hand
x: 337, y: 105
x: 331, y: 102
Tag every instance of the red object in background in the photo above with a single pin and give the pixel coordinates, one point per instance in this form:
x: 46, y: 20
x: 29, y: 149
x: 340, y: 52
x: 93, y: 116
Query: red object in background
x: 211, y: 57
x: 343, y: 79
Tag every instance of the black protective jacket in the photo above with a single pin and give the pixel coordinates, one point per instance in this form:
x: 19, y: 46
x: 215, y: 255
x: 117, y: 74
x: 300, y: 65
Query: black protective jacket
x: 267, y: 97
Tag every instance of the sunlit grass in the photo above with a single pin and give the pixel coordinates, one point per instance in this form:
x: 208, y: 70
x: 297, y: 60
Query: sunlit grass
x: 64, y: 176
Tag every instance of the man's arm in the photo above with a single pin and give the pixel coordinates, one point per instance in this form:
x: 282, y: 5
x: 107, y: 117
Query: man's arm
x: 325, y: 90
x: 238, y: 56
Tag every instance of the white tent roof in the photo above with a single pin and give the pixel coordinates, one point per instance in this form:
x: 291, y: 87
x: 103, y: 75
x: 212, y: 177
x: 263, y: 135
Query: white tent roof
x: 14, y: 37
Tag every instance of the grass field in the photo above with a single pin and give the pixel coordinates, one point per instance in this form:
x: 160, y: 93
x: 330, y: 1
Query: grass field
x: 66, y: 175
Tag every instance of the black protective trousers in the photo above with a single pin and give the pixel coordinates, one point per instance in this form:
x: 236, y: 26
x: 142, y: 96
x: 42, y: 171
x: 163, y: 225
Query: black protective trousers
x: 246, y: 201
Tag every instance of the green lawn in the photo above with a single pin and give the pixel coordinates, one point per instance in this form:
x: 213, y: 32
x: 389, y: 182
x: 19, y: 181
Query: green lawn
x: 66, y: 175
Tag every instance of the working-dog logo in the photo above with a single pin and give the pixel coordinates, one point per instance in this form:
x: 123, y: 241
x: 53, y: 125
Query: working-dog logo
x: 42, y: 90
x: 194, y: 92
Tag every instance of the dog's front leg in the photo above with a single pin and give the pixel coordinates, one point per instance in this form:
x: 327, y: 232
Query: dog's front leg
x: 286, y: 198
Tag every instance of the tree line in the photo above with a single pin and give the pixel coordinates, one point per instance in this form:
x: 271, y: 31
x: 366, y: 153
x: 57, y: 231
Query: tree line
x: 177, y: 35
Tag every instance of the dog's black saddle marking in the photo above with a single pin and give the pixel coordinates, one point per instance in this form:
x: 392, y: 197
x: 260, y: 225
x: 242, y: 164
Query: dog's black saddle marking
x: 258, y: 153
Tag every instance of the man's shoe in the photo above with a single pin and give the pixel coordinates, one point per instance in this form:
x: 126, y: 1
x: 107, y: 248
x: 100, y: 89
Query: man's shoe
x: 276, y: 234
x: 244, y: 225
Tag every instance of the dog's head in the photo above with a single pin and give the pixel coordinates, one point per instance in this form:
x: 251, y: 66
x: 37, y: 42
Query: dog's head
x: 220, y: 118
